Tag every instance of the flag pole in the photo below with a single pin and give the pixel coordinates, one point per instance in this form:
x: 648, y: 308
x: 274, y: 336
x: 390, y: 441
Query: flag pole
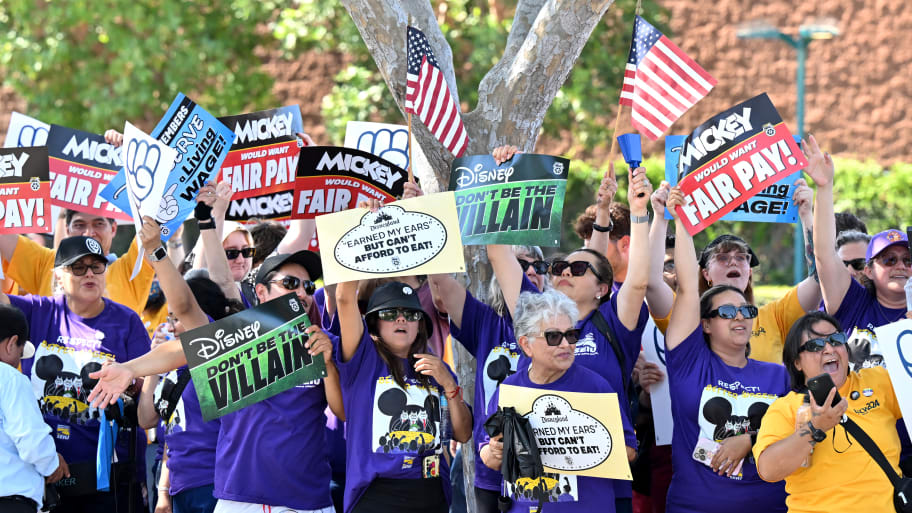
x: 411, y: 176
x: 614, y: 134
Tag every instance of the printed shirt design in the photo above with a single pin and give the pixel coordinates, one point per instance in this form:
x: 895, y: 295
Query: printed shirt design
x: 586, y: 346
x: 405, y: 421
x: 555, y: 487
x: 864, y: 351
x: 498, y: 366
x: 60, y: 377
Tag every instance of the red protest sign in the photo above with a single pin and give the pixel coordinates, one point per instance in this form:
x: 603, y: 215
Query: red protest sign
x: 731, y: 157
x: 25, y: 191
x: 81, y: 164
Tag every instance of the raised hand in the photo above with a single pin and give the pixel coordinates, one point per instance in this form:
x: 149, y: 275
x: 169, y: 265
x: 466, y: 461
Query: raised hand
x: 638, y: 191
x: 502, y: 154
x: 607, y: 188
x: 803, y: 198
x: 113, y: 137
x: 820, y: 165
x: 318, y: 343
x: 432, y: 366
x: 411, y: 190
x: 659, y: 198
x: 675, y: 198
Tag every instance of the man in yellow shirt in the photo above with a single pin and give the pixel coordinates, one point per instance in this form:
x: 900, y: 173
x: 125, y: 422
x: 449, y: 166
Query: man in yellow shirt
x: 30, y: 264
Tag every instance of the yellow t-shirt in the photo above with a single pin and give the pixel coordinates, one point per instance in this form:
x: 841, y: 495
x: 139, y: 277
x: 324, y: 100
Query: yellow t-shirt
x: 155, y: 319
x: 848, y: 480
x: 32, y: 265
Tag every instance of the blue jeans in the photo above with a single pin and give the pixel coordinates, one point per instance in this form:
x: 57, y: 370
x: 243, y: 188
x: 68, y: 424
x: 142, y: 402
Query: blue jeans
x: 194, y: 500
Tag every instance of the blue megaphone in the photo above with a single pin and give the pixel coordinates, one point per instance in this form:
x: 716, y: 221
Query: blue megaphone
x: 631, y: 150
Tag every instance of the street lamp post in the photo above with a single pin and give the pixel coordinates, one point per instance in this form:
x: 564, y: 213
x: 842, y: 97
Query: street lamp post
x: 817, y: 29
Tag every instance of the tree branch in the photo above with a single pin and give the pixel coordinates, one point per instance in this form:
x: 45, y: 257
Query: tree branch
x: 525, y: 15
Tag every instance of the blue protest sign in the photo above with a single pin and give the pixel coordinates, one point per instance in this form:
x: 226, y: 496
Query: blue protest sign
x: 771, y: 205
x: 202, y: 143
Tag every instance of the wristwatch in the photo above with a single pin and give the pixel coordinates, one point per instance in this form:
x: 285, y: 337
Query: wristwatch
x: 206, y: 224
x: 818, y: 435
x: 599, y: 228
x: 159, y: 254
x: 639, y: 219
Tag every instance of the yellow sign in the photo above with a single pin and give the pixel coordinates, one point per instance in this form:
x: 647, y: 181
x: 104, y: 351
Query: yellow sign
x: 404, y: 238
x: 577, y: 433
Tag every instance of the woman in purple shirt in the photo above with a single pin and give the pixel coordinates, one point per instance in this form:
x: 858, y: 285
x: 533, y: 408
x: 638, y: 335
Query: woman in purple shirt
x: 718, y: 394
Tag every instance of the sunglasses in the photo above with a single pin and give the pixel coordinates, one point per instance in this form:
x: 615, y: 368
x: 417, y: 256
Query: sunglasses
x: 554, y: 337
x: 81, y: 269
x: 293, y: 282
x: 234, y: 253
x: 891, y: 260
x: 855, y: 263
x: 391, y: 314
x: 540, y: 266
x: 815, y: 345
x: 731, y: 311
x: 577, y: 268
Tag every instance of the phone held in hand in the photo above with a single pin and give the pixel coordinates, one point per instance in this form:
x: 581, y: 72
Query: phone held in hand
x: 820, y: 386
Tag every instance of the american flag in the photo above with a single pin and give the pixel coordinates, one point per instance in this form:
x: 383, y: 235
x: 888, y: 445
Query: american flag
x: 660, y: 82
x: 427, y: 96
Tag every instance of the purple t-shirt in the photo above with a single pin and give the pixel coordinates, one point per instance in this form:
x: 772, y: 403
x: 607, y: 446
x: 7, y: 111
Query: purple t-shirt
x: 391, y: 432
x: 565, y: 492
x: 714, y: 401
x: 191, y: 441
x: 859, y: 313
x: 274, y: 452
x: 67, y: 348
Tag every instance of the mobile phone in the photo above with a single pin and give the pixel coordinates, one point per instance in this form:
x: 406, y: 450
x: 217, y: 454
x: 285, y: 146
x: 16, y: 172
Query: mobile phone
x: 820, y: 387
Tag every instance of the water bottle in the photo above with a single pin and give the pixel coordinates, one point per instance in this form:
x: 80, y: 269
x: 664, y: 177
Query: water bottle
x: 908, y: 288
x: 444, y: 420
x: 802, y: 417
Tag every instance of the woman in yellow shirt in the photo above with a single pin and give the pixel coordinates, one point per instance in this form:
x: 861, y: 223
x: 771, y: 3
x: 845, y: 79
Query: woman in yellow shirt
x: 832, y: 473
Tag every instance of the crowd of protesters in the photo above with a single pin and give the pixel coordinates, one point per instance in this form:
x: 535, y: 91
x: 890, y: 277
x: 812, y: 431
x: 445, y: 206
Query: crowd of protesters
x: 82, y: 343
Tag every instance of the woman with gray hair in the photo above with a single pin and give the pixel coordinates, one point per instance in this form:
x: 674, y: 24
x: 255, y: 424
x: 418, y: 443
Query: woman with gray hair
x: 546, y: 332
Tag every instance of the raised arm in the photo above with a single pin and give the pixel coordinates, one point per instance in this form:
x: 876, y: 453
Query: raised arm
x: 633, y: 291
x: 598, y: 241
x: 834, y: 277
x: 508, y: 272
x: 351, y: 326
x: 685, y: 313
x: 659, y: 295
x: 216, y: 261
x: 8, y: 242
x: 451, y: 295
x: 808, y: 289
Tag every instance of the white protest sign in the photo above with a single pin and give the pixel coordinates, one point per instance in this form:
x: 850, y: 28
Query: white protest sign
x: 387, y: 141
x: 25, y: 131
x: 896, y: 345
x: 654, y: 352
x: 147, y: 163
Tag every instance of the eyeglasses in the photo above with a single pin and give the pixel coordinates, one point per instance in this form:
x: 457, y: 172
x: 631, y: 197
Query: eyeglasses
x: 233, y: 253
x: 727, y: 258
x: 577, y: 268
x: 668, y: 267
x: 891, y: 260
x: 554, y: 337
x: 80, y: 269
x: 815, y: 345
x: 731, y: 311
x: 391, y: 314
x: 293, y: 282
x: 540, y: 266
x: 855, y: 263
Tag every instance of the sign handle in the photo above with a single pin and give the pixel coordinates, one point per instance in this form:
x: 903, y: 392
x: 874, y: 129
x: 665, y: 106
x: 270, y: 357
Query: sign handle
x: 411, y: 177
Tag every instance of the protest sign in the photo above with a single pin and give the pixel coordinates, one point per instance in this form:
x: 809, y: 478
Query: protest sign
x: 895, y: 341
x: 731, y: 157
x: 771, y: 205
x: 414, y: 236
x: 25, y: 190
x: 262, y: 163
x: 25, y: 131
x: 577, y: 433
x: 201, y: 141
x: 387, y: 141
x: 660, y: 396
x: 250, y: 356
x: 80, y: 166
x: 332, y: 179
x: 520, y: 201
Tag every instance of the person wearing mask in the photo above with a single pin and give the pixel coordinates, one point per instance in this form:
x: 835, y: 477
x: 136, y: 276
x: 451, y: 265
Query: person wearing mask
x: 718, y: 394
x: 393, y: 390
x: 544, y: 326
x: 28, y: 457
x: 825, y: 469
x: 80, y: 330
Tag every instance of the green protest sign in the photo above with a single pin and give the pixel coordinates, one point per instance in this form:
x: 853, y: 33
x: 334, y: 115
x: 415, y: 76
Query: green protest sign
x: 250, y: 356
x: 521, y: 201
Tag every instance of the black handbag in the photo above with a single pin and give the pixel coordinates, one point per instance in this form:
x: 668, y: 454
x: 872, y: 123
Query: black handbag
x: 902, y: 486
x: 521, y: 457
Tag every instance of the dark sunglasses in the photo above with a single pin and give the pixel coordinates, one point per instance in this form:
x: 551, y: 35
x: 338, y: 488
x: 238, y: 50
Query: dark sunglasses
x: 577, y: 268
x: 391, y: 314
x: 80, y: 269
x: 731, y: 311
x: 233, y: 253
x: 554, y: 337
x: 293, y: 282
x: 855, y: 263
x: 815, y: 345
x: 891, y: 260
x: 539, y: 266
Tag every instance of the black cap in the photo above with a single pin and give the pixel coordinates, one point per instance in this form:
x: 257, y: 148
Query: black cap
x: 707, y: 251
x: 73, y: 248
x: 306, y: 259
x: 396, y: 294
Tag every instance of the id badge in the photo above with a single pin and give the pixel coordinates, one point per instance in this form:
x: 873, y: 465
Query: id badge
x: 431, y: 466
